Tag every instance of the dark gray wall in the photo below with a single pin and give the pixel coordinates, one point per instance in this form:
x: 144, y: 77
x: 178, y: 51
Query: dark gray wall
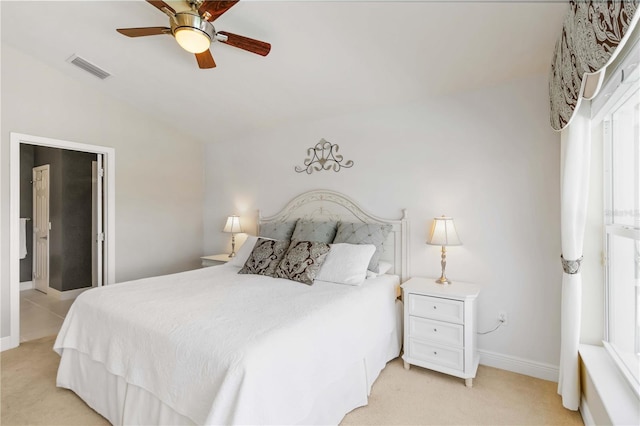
x: 70, y: 216
x: 76, y: 219
x: 26, y: 207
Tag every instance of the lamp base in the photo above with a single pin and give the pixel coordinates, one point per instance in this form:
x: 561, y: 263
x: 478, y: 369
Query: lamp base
x: 443, y: 262
x: 233, y: 245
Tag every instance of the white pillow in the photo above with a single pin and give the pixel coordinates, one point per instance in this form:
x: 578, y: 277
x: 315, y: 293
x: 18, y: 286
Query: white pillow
x: 383, y: 267
x: 346, y: 263
x: 244, y: 251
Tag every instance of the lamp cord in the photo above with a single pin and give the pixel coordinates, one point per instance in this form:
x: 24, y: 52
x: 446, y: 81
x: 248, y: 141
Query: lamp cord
x: 500, y: 322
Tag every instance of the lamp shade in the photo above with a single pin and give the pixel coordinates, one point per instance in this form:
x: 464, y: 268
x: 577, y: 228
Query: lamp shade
x: 232, y: 225
x: 443, y: 232
x: 192, y: 40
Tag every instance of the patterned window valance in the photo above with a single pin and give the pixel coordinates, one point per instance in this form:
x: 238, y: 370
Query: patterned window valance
x: 592, y: 34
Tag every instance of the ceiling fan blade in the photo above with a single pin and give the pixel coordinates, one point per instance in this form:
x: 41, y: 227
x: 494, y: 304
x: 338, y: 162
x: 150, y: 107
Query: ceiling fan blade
x: 205, y: 60
x: 246, y: 43
x: 211, y: 10
x: 159, y: 4
x: 145, y: 31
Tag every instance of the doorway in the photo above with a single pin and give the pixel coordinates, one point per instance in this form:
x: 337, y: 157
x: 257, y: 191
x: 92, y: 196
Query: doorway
x: 106, y: 156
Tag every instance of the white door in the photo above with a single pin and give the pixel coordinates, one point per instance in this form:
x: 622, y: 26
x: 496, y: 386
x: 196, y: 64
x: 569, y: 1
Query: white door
x: 41, y: 227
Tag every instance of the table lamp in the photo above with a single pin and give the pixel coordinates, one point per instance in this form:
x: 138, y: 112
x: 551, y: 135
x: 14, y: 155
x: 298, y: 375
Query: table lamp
x: 233, y: 226
x: 443, y: 233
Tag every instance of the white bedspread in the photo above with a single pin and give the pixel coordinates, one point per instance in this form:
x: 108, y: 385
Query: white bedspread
x: 223, y: 348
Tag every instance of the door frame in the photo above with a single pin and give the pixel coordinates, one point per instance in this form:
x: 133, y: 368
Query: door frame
x: 14, y: 217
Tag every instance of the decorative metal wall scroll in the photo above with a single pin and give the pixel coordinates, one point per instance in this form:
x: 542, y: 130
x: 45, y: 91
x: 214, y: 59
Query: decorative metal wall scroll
x: 324, y: 156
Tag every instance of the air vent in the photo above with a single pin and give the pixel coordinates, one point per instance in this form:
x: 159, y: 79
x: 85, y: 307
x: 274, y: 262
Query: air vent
x: 88, y: 67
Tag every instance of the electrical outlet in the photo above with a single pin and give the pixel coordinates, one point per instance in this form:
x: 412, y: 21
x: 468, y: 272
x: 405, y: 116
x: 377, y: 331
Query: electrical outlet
x: 502, y: 317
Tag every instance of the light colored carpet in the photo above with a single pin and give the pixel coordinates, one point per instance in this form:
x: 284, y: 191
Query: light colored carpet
x: 29, y: 393
x: 399, y: 397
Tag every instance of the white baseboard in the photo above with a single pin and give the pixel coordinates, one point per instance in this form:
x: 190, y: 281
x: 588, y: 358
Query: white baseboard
x: 27, y: 285
x: 587, y: 418
x: 519, y: 365
x: 7, y: 343
x: 68, y: 294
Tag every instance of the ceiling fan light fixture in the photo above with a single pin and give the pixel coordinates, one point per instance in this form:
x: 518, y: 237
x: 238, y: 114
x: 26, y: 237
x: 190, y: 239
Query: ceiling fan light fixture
x: 192, y: 40
x: 192, y: 33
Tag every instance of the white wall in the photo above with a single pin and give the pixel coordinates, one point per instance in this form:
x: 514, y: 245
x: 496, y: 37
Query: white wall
x: 488, y: 158
x: 159, y: 177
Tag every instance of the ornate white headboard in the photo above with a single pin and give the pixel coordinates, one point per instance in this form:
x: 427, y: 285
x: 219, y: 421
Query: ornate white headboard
x: 325, y: 205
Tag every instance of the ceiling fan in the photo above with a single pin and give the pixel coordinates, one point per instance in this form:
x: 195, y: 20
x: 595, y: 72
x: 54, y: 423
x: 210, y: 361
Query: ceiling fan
x: 194, y: 31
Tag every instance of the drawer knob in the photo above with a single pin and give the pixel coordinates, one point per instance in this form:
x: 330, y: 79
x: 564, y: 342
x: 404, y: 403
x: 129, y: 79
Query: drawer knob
x: 435, y: 330
x: 435, y: 307
x: 435, y: 353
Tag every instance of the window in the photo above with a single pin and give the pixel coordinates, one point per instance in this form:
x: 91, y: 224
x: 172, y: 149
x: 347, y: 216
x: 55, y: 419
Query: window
x: 622, y: 227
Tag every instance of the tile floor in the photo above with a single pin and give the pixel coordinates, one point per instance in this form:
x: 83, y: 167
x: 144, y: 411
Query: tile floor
x: 40, y: 315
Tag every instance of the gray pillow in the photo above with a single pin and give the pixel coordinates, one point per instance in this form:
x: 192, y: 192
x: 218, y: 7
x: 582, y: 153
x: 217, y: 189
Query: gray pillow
x: 265, y: 257
x: 309, y: 230
x: 278, y: 230
x: 303, y: 261
x: 364, y: 233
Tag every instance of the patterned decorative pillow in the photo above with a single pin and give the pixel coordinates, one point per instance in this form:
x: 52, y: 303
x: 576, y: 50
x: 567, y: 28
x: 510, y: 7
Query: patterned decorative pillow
x: 364, y: 233
x: 243, y: 252
x: 265, y: 257
x: 308, y: 230
x: 278, y: 230
x: 303, y: 261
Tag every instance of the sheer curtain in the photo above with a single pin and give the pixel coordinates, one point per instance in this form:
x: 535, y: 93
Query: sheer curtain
x: 592, y: 35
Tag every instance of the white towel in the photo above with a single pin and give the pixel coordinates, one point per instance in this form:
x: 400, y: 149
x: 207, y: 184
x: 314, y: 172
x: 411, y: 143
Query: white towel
x: 23, y: 238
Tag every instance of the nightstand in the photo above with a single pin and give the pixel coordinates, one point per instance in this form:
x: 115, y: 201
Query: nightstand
x: 440, y: 327
x: 216, y: 259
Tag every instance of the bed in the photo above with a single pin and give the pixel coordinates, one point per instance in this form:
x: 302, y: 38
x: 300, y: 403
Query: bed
x: 214, y: 346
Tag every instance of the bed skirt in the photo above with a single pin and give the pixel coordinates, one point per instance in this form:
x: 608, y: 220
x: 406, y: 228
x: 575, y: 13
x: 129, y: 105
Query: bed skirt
x: 122, y: 403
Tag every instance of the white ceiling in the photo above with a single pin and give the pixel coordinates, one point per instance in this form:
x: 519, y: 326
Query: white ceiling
x: 327, y: 57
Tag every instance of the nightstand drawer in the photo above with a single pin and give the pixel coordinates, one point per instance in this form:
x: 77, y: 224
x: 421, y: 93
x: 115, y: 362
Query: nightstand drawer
x: 436, y: 308
x: 436, y: 331
x: 436, y: 354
